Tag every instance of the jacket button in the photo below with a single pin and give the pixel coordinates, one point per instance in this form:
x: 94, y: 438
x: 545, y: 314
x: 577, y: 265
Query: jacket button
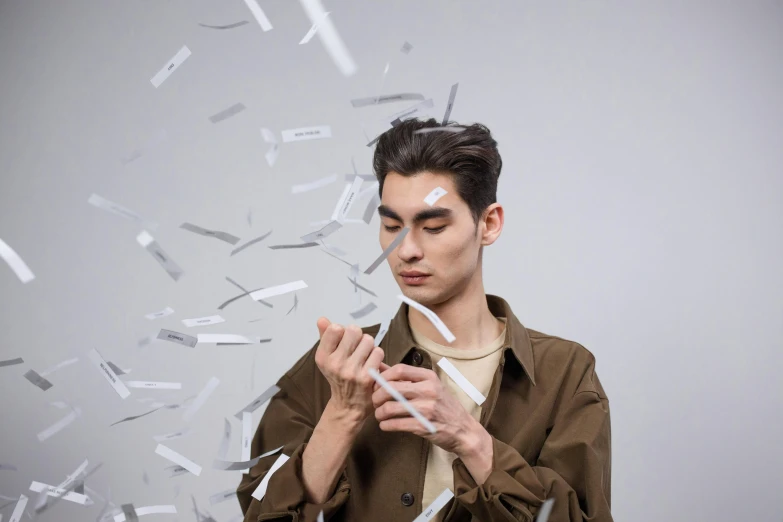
x: 406, y: 499
x: 417, y: 358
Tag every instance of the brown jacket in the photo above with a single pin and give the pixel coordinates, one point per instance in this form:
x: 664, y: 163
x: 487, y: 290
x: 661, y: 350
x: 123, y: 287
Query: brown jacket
x: 546, y: 411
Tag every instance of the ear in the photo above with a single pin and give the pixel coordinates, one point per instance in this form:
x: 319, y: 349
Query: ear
x: 492, y: 223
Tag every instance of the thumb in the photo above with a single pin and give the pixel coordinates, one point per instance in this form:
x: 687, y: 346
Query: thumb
x: 323, y: 324
x: 383, y: 367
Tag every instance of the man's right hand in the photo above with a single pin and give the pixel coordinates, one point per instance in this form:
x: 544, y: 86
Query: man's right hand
x: 344, y: 355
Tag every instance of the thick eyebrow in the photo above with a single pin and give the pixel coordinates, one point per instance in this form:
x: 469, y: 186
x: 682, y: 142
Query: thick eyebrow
x: 420, y: 217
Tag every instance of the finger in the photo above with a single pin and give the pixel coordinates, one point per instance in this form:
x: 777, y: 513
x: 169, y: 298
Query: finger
x: 404, y: 372
x: 407, y: 424
x: 383, y: 367
x: 362, y: 351
x: 375, y: 360
x: 409, y: 390
x: 331, y: 338
x: 351, y: 338
x: 322, y: 323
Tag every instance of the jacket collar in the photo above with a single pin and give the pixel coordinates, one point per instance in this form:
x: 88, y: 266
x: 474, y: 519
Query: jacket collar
x: 398, y: 341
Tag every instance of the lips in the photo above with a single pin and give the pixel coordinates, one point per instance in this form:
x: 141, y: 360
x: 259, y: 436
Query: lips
x: 414, y: 277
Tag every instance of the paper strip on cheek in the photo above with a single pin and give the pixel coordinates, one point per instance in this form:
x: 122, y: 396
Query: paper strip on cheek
x: 433, y: 318
x: 402, y: 400
x: 545, y: 511
x: 437, y: 504
x: 435, y: 195
x: 176, y: 458
x: 171, y: 66
x: 461, y: 381
x: 260, y: 491
x: 389, y: 249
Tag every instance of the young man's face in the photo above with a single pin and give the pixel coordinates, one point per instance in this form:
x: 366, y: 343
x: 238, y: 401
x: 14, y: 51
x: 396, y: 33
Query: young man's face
x: 443, y: 243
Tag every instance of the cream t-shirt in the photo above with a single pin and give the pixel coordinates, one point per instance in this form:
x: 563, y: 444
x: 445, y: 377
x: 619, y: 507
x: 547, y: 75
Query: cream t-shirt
x: 478, y: 366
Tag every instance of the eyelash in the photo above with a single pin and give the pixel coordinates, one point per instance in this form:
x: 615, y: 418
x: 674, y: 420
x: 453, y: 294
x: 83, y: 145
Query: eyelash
x: 437, y: 230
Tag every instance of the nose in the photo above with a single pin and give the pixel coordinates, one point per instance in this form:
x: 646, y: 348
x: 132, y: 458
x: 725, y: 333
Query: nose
x: 408, y: 250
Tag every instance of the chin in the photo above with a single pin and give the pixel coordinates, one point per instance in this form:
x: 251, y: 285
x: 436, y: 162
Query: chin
x: 422, y: 295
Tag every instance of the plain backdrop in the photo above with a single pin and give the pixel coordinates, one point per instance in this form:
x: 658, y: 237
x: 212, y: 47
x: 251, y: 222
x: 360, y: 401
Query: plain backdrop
x: 642, y: 146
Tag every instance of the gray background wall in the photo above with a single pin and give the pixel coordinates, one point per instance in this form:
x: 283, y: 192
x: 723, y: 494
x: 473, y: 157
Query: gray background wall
x: 642, y: 186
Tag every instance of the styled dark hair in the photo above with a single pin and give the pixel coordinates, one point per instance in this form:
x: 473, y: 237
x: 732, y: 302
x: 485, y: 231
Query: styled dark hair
x: 470, y: 156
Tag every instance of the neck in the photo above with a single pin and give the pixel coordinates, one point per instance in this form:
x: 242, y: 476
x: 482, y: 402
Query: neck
x: 467, y: 315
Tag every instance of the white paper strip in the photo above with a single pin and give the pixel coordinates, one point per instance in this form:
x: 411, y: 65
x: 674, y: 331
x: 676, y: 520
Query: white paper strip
x: 382, y: 331
x: 545, y: 510
x: 435, y: 195
x: 53, y: 491
x: 171, y: 66
x: 450, y: 104
x: 163, y: 313
x: 202, y: 397
x: 223, y: 339
x: 59, y: 365
x: 347, y: 202
x: 329, y: 37
x: 176, y: 458
x: 171, y: 436
x: 108, y: 374
x: 402, y: 400
x: 157, y: 252
x: 19, y: 267
x: 152, y: 385
x: 258, y: 401
x: 247, y: 434
x: 117, y: 209
x: 311, y: 32
x: 326, y: 231
x: 313, y: 185
x: 433, y: 318
x: 16, y: 516
x: 387, y: 98
x: 461, y: 381
x: 260, y: 491
x: 148, y: 510
x: 203, y: 321
x: 412, y: 112
x: 338, y: 206
x: 59, y: 425
x: 278, y: 290
x: 259, y: 15
x: 73, y: 476
x: 437, y: 504
x: 307, y: 133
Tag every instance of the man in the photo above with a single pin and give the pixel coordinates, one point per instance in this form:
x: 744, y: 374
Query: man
x: 356, y: 454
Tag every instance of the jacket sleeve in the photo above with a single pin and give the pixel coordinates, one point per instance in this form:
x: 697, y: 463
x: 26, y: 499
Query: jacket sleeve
x: 574, y: 468
x: 288, y: 421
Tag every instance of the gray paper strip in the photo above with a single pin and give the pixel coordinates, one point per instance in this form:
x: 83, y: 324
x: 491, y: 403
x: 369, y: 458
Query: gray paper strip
x: 223, y: 495
x: 296, y: 304
x: 165, y: 261
x: 228, y: 465
x: 414, y: 111
x: 250, y: 243
x: 11, y: 362
x: 37, y: 380
x: 450, y: 104
x: 365, y: 177
x: 389, y: 250
x: 227, y: 113
x: 372, y: 206
x: 406, y: 48
x: 126, y: 419
x: 365, y: 310
x: 225, y: 442
x: 176, y: 471
x: 389, y: 98
x: 223, y: 236
x: 360, y: 287
x: 130, y: 513
x: 229, y: 26
x: 325, y: 231
x: 545, y: 510
x: 258, y: 401
x: 116, y: 369
x: 298, y: 245
x: 8, y: 467
x: 246, y: 292
x: 54, y: 500
x: 179, y: 338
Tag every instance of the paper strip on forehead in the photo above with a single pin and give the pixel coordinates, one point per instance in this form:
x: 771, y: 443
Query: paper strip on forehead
x: 53, y: 491
x: 247, y: 435
x: 171, y: 66
x: 163, y: 313
x: 450, y: 104
x: 258, y: 401
x: 313, y: 185
x: 11, y: 362
x: 59, y: 425
x: 16, y: 263
x: 307, y: 133
x: 201, y: 398
x: 227, y: 113
x: 545, y: 510
x: 329, y: 37
x: 59, y: 366
x: 229, y: 26
x: 223, y: 236
x: 259, y: 15
x: 260, y: 491
x: 365, y: 310
x: 397, y: 396
x: 16, y: 516
x: 466, y: 386
x: 117, y: 209
x: 203, y: 321
x: 152, y: 246
x: 387, y: 98
x: 435, y: 195
x: 173, y: 435
x: 278, y: 290
x: 147, y: 510
x: 388, y: 251
x: 154, y: 385
x: 37, y: 380
x: 108, y: 373
x: 222, y: 496
x: 250, y: 243
x: 431, y: 316
x: 436, y: 505
x: 176, y: 458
